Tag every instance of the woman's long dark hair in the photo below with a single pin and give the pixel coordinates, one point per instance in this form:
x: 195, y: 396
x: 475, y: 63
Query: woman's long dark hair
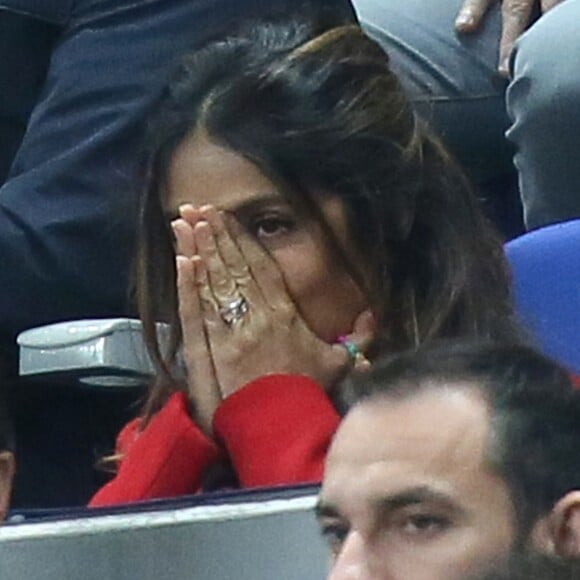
x: 319, y: 111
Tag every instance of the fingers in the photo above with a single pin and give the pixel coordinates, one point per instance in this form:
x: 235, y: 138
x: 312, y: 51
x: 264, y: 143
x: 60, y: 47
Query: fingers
x: 184, y: 242
x: 233, y: 262
x: 203, y: 233
x: 516, y: 15
x: 263, y: 268
x: 355, y: 344
x: 221, y: 273
x: 219, y: 279
x: 471, y: 15
x: 192, y: 327
x: 364, y: 330
x: 208, y: 304
x: 190, y: 214
x: 197, y: 302
x: 203, y: 388
x: 183, y: 230
x: 229, y: 251
x: 187, y: 297
x: 549, y: 4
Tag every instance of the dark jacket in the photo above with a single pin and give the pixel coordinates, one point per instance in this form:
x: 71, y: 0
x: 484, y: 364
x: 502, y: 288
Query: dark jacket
x: 79, y: 76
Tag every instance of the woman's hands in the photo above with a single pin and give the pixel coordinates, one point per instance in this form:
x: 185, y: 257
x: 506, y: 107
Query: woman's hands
x: 220, y: 262
x: 202, y: 383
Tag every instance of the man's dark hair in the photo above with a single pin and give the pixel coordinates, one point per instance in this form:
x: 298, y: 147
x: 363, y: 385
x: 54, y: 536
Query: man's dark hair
x: 535, y: 411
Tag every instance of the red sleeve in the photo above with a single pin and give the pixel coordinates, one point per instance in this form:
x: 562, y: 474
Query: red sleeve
x: 277, y: 430
x: 166, y: 459
x: 575, y: 380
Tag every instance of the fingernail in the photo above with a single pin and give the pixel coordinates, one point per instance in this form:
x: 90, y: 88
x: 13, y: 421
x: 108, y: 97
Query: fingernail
x: 175, y: 227
x: 504, y: 67
x: 201, y: 225
x: 369, y: 319
x: 465, y: 21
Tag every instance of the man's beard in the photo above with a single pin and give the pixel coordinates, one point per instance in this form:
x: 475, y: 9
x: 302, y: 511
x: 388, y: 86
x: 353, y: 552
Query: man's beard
x: 529, y: 565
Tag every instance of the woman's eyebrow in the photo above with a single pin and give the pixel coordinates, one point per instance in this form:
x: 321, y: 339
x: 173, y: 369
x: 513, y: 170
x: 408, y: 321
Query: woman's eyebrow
x: 255, y: 203
x: 251, y: 205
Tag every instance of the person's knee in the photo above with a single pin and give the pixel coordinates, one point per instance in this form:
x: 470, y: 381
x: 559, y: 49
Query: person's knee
x: 546, y: 82
x: 542, y: 103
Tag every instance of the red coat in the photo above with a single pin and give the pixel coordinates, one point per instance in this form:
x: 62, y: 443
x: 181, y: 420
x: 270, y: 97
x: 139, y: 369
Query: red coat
x: 276, y: 430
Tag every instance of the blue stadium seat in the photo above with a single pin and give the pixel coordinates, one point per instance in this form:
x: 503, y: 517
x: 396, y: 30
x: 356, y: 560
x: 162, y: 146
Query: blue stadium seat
x: 546, y: 271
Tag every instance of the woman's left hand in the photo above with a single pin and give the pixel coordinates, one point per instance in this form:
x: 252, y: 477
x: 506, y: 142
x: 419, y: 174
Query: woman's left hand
x: 252, y: 325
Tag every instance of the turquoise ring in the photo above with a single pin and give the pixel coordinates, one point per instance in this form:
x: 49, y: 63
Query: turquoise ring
x: 352, y: 349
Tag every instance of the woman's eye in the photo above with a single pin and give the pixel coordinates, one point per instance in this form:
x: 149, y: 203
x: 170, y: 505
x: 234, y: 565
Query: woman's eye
x: 267, y: 227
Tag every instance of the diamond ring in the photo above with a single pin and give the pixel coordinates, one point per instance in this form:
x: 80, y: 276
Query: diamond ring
x: 234, y: 310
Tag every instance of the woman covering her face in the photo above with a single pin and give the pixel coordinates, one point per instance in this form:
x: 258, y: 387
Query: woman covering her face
x: 298, y: 219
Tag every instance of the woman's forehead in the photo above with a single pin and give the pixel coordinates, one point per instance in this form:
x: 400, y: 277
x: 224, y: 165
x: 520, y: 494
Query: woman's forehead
x: 203, y: 172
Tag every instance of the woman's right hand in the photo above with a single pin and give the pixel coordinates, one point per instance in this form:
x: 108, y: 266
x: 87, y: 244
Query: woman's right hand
x: 203, y: 388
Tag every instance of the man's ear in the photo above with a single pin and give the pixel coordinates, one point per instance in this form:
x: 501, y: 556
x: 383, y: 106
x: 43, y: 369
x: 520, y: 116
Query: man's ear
x: 7, y: 469
x: 558, y: 533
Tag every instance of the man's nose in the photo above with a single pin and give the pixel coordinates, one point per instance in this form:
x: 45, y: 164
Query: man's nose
x: 351, y: 562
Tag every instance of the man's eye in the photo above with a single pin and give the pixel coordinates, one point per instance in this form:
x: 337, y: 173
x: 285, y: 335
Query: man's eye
x: 267, y: 227
x: 425, y: 524
x: 334, y: 535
